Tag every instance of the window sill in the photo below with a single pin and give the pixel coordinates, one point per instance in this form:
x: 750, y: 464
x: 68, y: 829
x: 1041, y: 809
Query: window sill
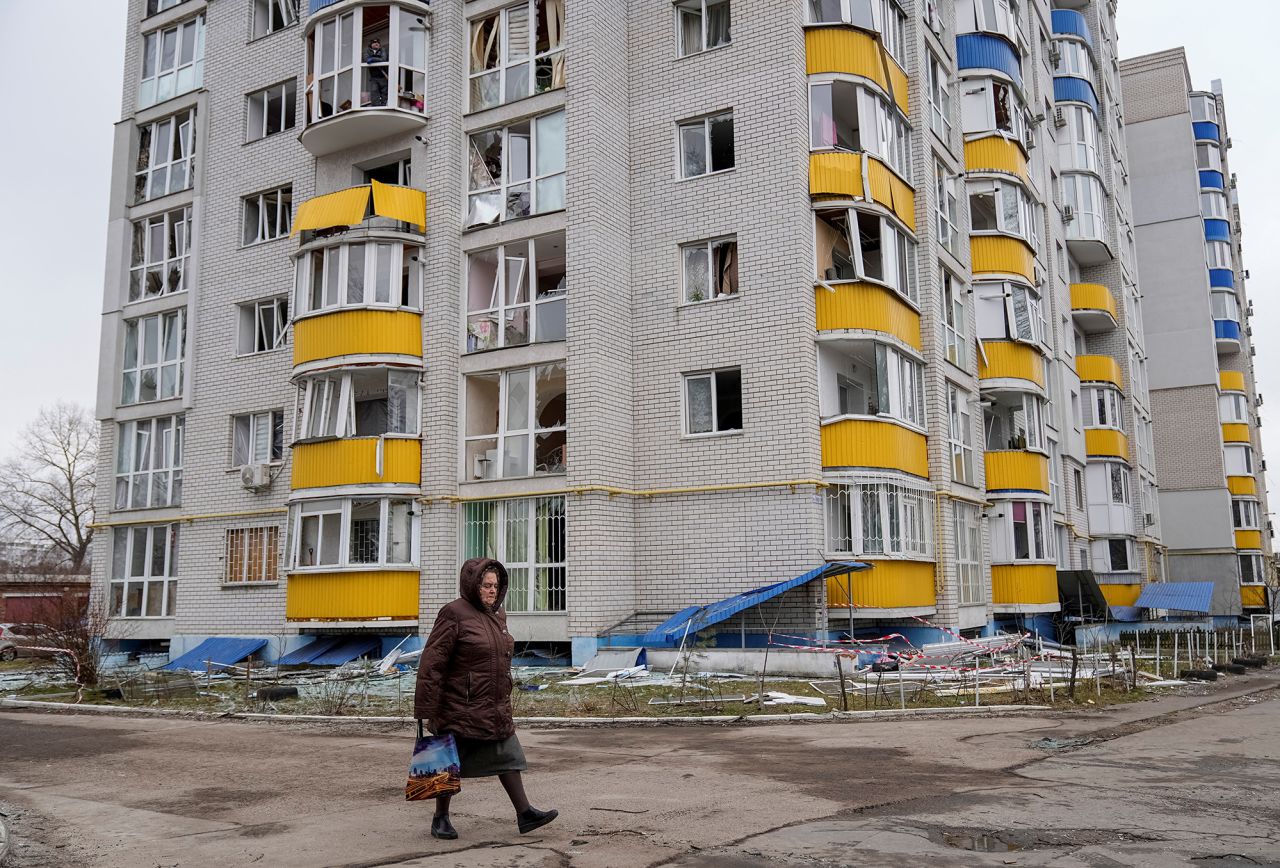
x: 163, y: 297
x: 476, y: 227
x: 725, y: 296
x: 343, y: 308
x: 234, y: 585
x: 897, y: 293
x: 727, y: 171
x: 878, y: 417
x: 261, y: 352
x: 307, y: 441
x: 256, y: 39
x: 264, y: 241
x: 471, y: 112
x: 703, y: 52
x: 480, y: 352
x: 714, y: 435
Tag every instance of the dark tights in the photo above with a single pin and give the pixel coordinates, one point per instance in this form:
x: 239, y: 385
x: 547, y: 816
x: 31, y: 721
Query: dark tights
x: 511, y: 782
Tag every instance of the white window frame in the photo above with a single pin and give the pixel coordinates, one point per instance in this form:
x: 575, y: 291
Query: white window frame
x: 1208, y: 157
x: 1245, y: 462
x: 946, y: 206
x: 1078, y: 146
x: 897, y: 251
x: 882, y: 517
x: 501, y: 308
x: 1218, y: 254
x: 883, y: 131
x: 967, y: 527
x: 960, y: 435
x: 264, y: 326
x: 1055, y: 479
x: 151, y: 581
x: 270, y: 16
x: 1015, y: 210
x: 711, y: 377
x: 508, y: 198
x: 699, y: 8
x: 1245, y: 514
x: 335, y: 290
x: 510, y: 69
x: 149, y: 463
x: 155, y: 176
x: 951, y: 294
x: 514, y: 440
x: 326, y: 404
x: 260, y: 429
x: 704, y: 123
x: 513, y: 530
x: 164, y: 256
x: 247, y: 547
x: 1074, y: 59
x: 1105, y: 407
x: 707, y: 249
x: 1039, y: 518
x: 1258, y: 569
x: 1119, y: 484
x: 898, y: 384
x: 1204, y: 107
x: 157, y: 6
x: 345, y: 75
x: 1233, y: 407
x: 258, y: 113
x: 266, y: 216
x: 1223, y: 305
x: 1213, y: 205
x: 164, y: 78
x: 168, y: 364
x: 340, y: 510
x: 939, y: 91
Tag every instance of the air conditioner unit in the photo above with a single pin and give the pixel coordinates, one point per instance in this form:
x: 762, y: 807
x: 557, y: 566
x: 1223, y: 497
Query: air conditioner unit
x: 1068, y: 213
x: 1258, y: 402
x: 255, y: 477
x: 1055, y: 55
x: 1059, y: 119
x: 1227, y: 144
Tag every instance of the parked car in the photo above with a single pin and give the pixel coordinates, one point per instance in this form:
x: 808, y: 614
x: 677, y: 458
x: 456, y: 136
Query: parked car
x: 16, y: 639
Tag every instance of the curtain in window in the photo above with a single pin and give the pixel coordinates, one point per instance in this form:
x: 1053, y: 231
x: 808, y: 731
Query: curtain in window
x: 717, y: 24
x: 480, y: 529
x: 555, y: 39
x: 484, y: 42
x: 726, y: 262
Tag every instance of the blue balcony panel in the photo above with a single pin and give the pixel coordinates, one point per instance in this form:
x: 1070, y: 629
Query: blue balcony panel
x: 1217, y: 230
x: 1211, y: 178
x: 1226, y: 330
x: 1071, y: 23
x: 317, y: 5
x: 1205, y: 130
x: 984, y: 51
x: 1222, y: 278
x: 1070, y: 89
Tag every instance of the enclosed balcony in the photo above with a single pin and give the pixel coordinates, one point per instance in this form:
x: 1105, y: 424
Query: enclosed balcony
x: 1099, y: 369
x: 1084, y: 212
x: 1225, y: 309
x: 889, y: 584
x: 1254, y: 597
x: 1204, y: 117
x: 366, y: 73
x: 844, y: 175
x: 996, y: 153
x: 844, y: 50
x: 1093, y: 308
x: 1109, y: 486
x: 357, y: 461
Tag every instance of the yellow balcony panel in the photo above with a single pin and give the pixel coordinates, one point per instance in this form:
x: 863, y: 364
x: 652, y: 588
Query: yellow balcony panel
x: 1249, y: 540
x: 1106, y: 443
x: 855, y: 52
x: 873, y: 443
x: 1231, y: 381
x: 998, y: 254
x: 838, y: 175
x: 1024, y: 584
x: 1002, y: 360
x: 361, y: 596
x: 1017, y: 470
x: 887, y: 585
x: 1235, y: 432
x: 1253, y: 596
x: 867, y: 306
x: 1242, y: 486
x: 355, y: 462
x: 1093, y: 307
x: 995, y: 154
x: 1120, y: 595
x: 356, y: 332
x: 1099, y: 369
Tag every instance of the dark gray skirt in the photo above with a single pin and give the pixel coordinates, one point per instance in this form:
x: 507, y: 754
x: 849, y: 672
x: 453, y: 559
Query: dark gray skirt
x: 482, y: 758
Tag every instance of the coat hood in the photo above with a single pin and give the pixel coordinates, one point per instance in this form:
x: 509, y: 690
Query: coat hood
x: 469, y: 582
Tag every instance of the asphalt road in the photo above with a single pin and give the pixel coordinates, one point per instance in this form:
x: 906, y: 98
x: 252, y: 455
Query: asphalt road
x: 1180, y: 780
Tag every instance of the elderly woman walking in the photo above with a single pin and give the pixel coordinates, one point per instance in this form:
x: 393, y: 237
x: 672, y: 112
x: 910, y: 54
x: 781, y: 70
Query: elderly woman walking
x: 464, y: 688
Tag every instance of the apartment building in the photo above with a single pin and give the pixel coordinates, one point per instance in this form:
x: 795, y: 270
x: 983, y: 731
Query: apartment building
x: 656, y: 302
x: 1203, y: 389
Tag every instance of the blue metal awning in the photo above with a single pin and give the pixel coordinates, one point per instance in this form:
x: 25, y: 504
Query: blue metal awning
x: 348, y: 650
x: 216, y: 653
x: 691, y: 620
x: 310, y: 651
x: 1178, y: 596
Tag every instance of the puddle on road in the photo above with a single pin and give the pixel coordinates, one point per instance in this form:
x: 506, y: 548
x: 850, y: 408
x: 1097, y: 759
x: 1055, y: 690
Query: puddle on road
x: 979, y: 842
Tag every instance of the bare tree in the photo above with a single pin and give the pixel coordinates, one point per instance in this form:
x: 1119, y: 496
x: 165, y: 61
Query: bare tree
x: 46, y: 489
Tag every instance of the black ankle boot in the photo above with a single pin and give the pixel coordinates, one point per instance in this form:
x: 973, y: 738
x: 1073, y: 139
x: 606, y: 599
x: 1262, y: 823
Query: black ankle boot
x: 531, y: 818
x: 442, y: 828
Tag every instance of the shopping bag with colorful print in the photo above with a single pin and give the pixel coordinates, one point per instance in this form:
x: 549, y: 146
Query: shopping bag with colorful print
x: 434, y: 769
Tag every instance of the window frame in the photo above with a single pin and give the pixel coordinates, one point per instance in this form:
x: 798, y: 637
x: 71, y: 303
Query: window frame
x: 267, y: 539
x: 1233, y: 407
x: 135, y: 371
x: 960, y: 435
x: 705, y: 123
x: 1218, y: 254
x: 554, y: 55
x: 506, y: 187
x: 275, y: 438
x: 681, y: 8
x: 897, y: 248
x: 526, y: 556
x: 145, y: 454
x: 1211, y: 211
x: 1258, y: 570
x: 938, y: 90
x: 267, y: 226
x: 967, y: 528
x: 1224, y: 305
x: 175, y: 228
x: 1246, y: 514
x: 1037, y: 519
x: 286, y: 8
x: 288, y: 95
x: 882, y: 517
x: 251, y: 326
x: 1002, y: 190
x: 709, y: 247
x: 124, y: 558
x: 330, y: 396
x: 529, y: 428
x: 1106, y: 407
x: 712, y: 376
x: 1078, y: 148
x: 951, y: 295
x: 153, y: 51
x: 946, y: 207
x: 399, y: 71
x: 500, y: 309
x: 342, y: 507
x: 179, y: 130
x: 335, y: 289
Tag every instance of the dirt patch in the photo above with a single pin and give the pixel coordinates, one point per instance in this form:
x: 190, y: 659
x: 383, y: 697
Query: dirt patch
x: 207, y: 801
x: 37, y: 841
x: 26, y: 743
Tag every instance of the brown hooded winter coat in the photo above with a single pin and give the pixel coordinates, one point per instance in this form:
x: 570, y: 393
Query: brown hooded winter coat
x: 464, y: 675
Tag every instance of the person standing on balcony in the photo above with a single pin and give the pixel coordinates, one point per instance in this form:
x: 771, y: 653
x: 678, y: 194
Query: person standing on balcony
x: 464, y: 688
x: 375, y: 61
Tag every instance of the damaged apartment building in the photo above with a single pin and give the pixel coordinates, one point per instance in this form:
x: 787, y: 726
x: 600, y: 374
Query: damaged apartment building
x: 655, y: 302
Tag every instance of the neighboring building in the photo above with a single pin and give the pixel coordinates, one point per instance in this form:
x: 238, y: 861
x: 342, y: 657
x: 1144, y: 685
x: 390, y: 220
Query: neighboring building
x: 35, y: 587
x: 655, y: 302
x: 1213, y: 492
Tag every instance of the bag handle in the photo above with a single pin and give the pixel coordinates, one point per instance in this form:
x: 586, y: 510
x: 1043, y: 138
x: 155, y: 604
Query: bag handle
x: 420, y: 735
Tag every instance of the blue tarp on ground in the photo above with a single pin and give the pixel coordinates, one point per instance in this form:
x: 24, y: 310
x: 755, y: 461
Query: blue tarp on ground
x: 347, y: 650
x: 217, y: 650
x: 310, y: 651
x: 691, y: 620
x: 1126, y: 613
x: 1178, y: 596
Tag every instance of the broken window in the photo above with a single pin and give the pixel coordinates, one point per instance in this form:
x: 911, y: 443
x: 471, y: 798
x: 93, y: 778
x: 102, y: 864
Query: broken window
x: 706, y: 145
x: 154, y: 6
x: 701, y: 24
x: 879, y: 518
x: 159, y: 254
x: 960, y: 434
x: 272, y: 15
x: 267, y: 216
x: 360, y: 274
x: 257, y: 438
x: 361, y: 532
x: 517, y: 52
x: 365, y: 402
x: 144, y: 569
x: 528, y: 536
x: 172, y: 62
x: 516, y: 423
x: 833, y: 116
x: 272, y: 110
x: 953, y: 318
x: 1009, y: 310
x: 939, y: 90
x: 1251, y: 570
x: 880, y: 251
x: 1118, y: 555
x: 867, y: 378
x: 713, y: 402
x: 166, y: 150
x: 1015, y: 420
x: 710, y: 269
x: 154, y: 347
x: 149, y: 463
x: 517, y: 171
x: 253, y: 555
x: 517, y: 294
x: 263, y: 325
x: 1002, y: 206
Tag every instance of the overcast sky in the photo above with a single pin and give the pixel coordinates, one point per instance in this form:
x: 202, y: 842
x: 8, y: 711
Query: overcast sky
x: 64, y: 74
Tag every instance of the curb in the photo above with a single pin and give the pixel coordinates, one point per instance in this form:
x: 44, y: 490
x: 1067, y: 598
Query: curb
x: 5, y: 840
x: 542, y: 722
